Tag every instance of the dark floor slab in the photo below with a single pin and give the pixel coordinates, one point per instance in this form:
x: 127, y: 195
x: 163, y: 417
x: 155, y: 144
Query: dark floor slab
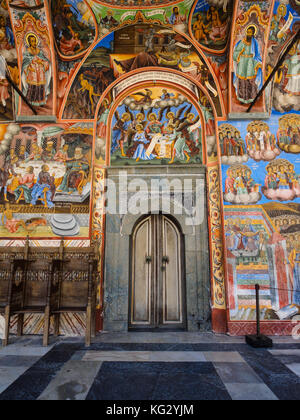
x: 157, y: 381
x: 285, y: 386
x: 190, y: 387
x: 123, y: 381
x: 28, y: 387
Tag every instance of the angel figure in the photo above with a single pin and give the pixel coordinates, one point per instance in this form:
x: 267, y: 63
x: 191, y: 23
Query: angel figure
x: 146, y: 98
x: 185, y: 146
x: 138, y: 119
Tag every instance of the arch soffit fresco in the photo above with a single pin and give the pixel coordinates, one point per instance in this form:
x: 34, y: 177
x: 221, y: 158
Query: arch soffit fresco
x: 159, y: 70
x: 195, y: 45
x: 206, y: 49
x: 83, y: 52
x: 159, y: 3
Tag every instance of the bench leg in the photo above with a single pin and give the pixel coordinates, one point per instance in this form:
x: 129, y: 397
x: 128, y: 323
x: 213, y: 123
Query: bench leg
x: 6, y: 326
x: 88, y: 326
x: 20, y: 325
x: 56, y: 324
x: 46, y: 327
x: 93, y: 323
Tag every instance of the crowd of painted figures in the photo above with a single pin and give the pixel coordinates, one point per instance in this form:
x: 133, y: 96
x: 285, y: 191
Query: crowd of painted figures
x: 246, y: 239
x: 239, y: 181
x: 35, y: 174
x: 282, y: 182
x: 173, y: 133
x: 260, y: 143
x: 210, y: 26
x: 289, y: 133
x: 231, y: 142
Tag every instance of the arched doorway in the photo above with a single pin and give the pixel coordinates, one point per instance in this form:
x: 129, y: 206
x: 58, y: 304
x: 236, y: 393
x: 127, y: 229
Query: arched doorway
x: 126, y: 144
x: 157, y: 278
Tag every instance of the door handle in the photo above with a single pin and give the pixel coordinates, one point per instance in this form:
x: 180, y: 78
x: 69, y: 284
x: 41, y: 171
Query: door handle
x: 165, y: 261
x: 148, y: 259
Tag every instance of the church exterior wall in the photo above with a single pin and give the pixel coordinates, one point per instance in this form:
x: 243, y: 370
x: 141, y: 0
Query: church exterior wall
x: 193, y: 65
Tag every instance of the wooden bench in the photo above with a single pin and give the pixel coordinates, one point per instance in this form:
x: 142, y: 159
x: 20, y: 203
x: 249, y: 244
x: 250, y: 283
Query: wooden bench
x: 48, y: 281
x: 73, y: 290
x: 28, y: 288
x: 6, y: 274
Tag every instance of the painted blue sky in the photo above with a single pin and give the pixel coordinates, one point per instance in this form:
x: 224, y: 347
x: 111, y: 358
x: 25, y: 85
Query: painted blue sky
x: 201, y: 5
x: 75, y: 9
x: 106, y: 42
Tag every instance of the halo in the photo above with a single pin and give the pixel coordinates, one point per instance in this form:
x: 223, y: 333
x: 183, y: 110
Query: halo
x: 30, y: 35
x: 126, y: 114
x: 252, y: 26
x: 282, y: 10
x: 149, y: 116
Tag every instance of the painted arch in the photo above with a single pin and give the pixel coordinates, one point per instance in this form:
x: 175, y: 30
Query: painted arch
x: 116, y: 99
x: 152, y: 47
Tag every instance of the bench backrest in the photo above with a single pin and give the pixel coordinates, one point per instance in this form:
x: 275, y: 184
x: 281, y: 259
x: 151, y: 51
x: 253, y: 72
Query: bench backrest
x: 5, y: 277
x: 77, y: 283
x: 38, y: 276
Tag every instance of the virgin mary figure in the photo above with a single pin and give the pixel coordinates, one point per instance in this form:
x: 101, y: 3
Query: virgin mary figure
x: 36, y: 73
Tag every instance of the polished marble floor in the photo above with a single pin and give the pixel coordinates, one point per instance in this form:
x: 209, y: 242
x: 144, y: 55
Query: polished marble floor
x: 143, y: 367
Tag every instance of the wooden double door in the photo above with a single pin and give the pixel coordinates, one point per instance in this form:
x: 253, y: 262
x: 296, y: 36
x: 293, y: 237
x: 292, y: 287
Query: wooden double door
x: 157, y: 287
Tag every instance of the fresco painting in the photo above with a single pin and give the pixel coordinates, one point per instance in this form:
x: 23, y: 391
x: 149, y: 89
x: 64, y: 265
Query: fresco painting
x: 248, y: 51
x: 26, y: 4
x: 158, y: 126
x: 175, y: 16
x: 284, y: 26
x: 34, y: 48
x: 145, y: 47
x: 262, y: 214
x: 74, y: 26
x: 53, y: 165
x: 46, y: 174
x: 8, y: 65
x: 211, y: 24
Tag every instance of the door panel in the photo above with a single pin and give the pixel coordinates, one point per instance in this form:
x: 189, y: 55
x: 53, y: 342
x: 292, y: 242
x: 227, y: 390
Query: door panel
x: 142, y: 274
x: 171, y: 273
x: 157, y: 280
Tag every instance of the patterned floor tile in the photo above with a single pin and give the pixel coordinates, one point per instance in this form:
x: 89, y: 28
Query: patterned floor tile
x: 156, y: 369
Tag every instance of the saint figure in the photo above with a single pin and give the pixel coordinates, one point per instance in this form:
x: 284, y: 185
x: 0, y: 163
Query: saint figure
x: 248, y: 78
x: 36, y: 73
